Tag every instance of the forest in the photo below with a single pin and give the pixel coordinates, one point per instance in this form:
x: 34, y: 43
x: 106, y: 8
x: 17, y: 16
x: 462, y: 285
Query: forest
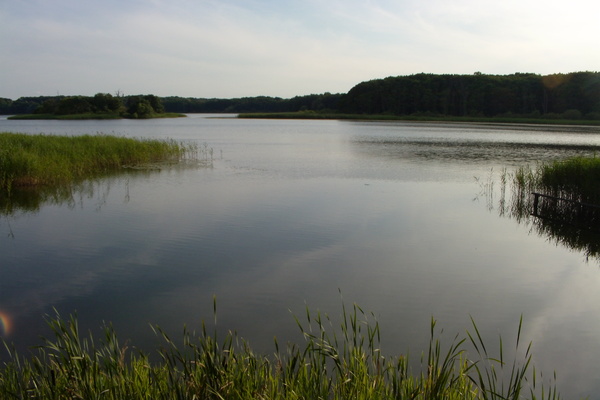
x: 143, y: 105
x: 570, y: 96
x: 139, y: 106
x: 573, y: 95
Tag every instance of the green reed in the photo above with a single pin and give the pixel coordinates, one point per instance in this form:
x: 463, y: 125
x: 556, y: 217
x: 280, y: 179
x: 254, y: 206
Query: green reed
x: 574, y: 178
x: 342, y: 363
x: 567, y: 213
x: 34, y: 160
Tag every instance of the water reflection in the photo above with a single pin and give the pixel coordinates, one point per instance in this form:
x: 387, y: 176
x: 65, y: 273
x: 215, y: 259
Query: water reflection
x: 30, y: 200
x: 569, y: 223
x: 295, y: 211
x: 478, y: 151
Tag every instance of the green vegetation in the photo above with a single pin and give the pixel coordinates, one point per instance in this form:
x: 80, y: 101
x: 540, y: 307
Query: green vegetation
x: 575, y: 179
x: 566, y: 208
x: 100, y: 106
x: 572, y: 98
x: 31, y: 160
x: 346, y: 364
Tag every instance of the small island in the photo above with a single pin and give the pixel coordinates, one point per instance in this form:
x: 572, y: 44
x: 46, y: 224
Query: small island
x: 100, y: 106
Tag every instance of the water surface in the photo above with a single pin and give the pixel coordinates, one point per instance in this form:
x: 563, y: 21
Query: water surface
x: 291, y: 214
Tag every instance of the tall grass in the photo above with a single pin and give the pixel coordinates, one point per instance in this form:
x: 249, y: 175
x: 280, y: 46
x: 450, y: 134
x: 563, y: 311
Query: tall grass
x: 343, y: 363
x: 575, y: 179
x: 569, y: 211
x: 27, y: 160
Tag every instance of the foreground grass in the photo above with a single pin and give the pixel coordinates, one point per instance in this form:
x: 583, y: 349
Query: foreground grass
x: 423, y: 118
x: 28, y: 160
x: 330, y: 364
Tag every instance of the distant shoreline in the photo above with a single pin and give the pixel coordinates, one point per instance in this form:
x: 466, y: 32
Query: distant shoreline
x: 86, y: 116
x: 418, y: 118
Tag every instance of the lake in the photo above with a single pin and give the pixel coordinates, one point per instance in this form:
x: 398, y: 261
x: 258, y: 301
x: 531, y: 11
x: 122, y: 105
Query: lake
x: 400, y: 218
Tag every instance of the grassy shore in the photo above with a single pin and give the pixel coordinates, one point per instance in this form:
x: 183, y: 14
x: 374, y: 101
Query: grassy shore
x: 330, y: 364
x: 32, y: 160
x: 423, y: 118
x: 90, y: 116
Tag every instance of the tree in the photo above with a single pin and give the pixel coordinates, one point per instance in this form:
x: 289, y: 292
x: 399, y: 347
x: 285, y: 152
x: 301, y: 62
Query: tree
x: 73, y: 105
x: 105, y: 102
x: 144, y: 106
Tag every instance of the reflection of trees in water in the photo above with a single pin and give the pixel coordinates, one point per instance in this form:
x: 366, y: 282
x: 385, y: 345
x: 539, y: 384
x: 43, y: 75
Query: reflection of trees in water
x: 558, y: 215
x: 30, y: 199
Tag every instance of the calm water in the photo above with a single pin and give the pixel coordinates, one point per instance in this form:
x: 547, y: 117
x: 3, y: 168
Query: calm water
x: 293, y: 213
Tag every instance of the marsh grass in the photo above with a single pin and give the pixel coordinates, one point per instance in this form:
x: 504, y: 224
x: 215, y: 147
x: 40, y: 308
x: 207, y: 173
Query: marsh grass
x: 570, y: 198
x: 570, y: 216
x: 35, y: 160
x: 576, y: 179
x: 342, y: 363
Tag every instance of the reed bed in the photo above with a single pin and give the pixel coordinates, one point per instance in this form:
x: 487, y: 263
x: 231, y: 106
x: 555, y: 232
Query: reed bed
x: 567, y: 209
x: 342, y: 363
x: 33, y: 160
x: 575, y: 179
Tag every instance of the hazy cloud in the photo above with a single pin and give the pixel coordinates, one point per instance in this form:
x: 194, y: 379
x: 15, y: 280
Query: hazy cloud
x: 233, y: 48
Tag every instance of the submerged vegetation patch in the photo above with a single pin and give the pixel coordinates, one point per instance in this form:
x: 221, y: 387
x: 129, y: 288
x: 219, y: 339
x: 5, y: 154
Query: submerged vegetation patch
x: 48, y: 160
x: 342, y: 363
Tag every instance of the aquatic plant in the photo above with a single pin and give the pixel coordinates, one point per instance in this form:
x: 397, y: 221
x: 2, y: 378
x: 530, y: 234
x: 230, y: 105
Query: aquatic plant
x: 559, y: 200
x: 575, y: 178
x: 343, y: 363
x: 34, y: 160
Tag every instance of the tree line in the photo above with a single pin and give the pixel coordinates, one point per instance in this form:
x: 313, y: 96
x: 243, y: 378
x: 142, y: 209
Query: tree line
x: 325, y: 102
x: 574, y: 95
x: 139, y: 106
x: 571, y: 96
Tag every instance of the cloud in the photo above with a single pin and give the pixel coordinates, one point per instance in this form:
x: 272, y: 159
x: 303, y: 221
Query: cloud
x: 232, y: 48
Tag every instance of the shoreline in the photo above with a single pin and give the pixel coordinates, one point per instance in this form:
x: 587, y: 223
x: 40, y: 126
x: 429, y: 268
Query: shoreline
x: 416, y: 118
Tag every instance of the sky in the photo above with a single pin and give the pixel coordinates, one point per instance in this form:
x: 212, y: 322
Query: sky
x: 281, y: 48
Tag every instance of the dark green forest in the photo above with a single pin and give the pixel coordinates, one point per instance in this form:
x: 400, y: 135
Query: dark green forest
x: 573, y: 96
x: 142, y: 106
x: 139, y: 106
x: 570, y: 96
